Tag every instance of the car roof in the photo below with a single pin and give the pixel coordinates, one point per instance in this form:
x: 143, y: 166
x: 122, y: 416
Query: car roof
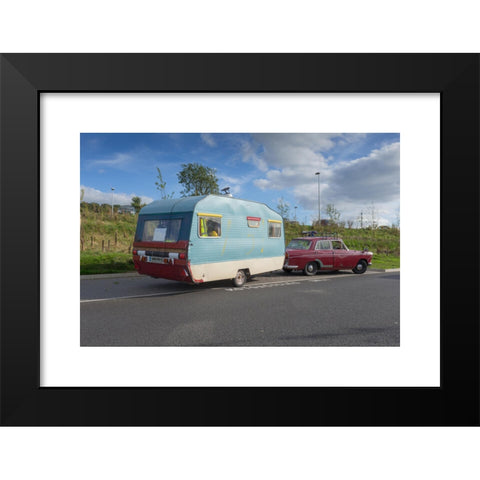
x: 317, y: 238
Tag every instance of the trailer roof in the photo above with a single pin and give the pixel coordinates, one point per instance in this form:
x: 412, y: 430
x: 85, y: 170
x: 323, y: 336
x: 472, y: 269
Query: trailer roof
x: 188, y: 204
x: 172, y: 205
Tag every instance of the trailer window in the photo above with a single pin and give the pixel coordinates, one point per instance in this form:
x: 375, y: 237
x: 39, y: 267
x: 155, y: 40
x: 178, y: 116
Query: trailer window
x: 209, y: 226
x: 253, y: 222
x: 274, y: 228
x: 161, y: 230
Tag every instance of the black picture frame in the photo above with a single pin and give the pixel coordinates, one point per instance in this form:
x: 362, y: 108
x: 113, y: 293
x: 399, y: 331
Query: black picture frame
x: 23, y: 77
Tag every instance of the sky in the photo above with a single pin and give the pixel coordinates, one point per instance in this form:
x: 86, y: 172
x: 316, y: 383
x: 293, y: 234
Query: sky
x: 359, y: 172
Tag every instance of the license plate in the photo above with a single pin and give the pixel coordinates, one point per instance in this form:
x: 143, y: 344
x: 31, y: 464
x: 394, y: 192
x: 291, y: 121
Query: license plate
x: 156, y: 260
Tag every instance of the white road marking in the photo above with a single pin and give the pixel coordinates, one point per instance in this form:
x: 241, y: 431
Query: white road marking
x: 281, y: 283
x: 271, y: 284
x: 133, y: 296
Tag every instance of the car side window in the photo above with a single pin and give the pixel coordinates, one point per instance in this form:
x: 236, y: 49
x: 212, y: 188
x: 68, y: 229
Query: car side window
x: 323, y: 245
x: 337, y: 245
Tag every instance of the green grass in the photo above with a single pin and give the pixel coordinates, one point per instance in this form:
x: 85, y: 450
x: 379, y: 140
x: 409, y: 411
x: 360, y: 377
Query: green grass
x: 385, y: 261
x: 383, y: 242
x: 102, y: 227
x: 98, y: 227
x: 110, y: 262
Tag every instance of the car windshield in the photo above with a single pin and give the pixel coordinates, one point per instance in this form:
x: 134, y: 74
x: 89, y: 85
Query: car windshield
x: 299, y: 244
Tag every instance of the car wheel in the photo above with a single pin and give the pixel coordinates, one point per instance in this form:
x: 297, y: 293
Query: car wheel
x: 361, y: 267
x: 310, y: 268
x: 240, y: 279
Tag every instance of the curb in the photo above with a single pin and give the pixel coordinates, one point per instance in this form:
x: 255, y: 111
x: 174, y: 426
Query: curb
x: 108, y: 275
x: 384, y: 270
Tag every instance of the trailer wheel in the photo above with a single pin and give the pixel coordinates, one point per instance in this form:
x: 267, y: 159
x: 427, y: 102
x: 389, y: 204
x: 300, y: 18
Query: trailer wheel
x: 240, y: 279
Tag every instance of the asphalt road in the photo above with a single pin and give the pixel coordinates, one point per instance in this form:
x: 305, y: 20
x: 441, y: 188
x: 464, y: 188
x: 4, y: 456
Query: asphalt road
x: 340, y: 309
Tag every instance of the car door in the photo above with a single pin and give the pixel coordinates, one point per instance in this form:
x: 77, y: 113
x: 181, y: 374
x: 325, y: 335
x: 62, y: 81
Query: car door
x: 324, y: 253
x: 341, y: 256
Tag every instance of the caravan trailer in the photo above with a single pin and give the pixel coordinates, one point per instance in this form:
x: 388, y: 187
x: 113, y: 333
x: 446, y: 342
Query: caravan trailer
x: 205, y: 238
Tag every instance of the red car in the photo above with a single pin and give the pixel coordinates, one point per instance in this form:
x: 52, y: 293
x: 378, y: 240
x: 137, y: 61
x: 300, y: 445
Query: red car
x: 314, y: 254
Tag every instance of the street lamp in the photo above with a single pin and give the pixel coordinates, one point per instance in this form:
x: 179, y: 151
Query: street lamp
x: 112, y: 199
x: 295, y: 213
x: 319, y: 221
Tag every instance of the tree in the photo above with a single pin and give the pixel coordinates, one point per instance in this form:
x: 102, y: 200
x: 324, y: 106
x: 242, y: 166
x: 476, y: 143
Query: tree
x: 137, y: 204
x: 161, y: 186
x: 197, y: 180
x: 333, y: 214
x: 283, y: 208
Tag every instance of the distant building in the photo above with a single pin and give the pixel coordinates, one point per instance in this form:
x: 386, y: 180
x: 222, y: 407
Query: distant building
x: 126, y: 209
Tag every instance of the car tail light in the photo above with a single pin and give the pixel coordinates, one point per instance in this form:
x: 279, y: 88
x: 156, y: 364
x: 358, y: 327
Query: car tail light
x: 134, y: 252
x: 182, y: 256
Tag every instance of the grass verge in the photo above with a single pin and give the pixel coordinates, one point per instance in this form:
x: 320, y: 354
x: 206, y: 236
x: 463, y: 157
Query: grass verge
x: 117, y: 262
x: 385, y: 261
x: 112, y: 262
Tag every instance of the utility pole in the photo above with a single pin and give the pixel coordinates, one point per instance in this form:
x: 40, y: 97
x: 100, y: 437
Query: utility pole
x: 319, y: 219
x: 112, y: 199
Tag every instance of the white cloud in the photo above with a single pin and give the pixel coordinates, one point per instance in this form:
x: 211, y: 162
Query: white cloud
x: 236, y: 184
x: 119, y: 160
x: 375, y: 178
x: 91, y: 195
x: 208, y: 139
x: 349, y: 185
x: 300, y: 149
x: 249, y: 154
x: 290, y: 160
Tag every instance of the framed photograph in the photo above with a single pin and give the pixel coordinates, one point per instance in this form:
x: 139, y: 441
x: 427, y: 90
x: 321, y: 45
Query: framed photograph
x: 383, y: 149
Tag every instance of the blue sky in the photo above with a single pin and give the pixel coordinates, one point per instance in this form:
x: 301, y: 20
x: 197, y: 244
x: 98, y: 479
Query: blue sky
x: 358, y: 172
